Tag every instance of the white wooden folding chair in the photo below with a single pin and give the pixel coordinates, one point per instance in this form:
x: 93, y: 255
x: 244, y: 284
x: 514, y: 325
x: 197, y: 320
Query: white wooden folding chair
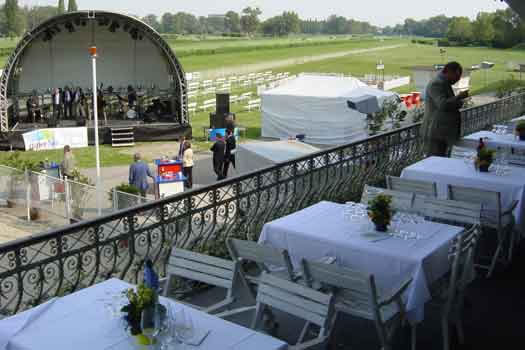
x: 210, y: 270
x: 451, y: 296
x: 305, y: 303
x: 356, y: 294
x: 417, y: 187
x: 493, y: 216
x: 400, y: 200
x: 450, y: 211
x: 268, y: 259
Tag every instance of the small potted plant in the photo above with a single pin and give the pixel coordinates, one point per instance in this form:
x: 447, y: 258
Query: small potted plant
x: 380, y: 212
x: 124, y: 201
x: 520, y: 130
x: 139, y: 300
x: 484, y: 159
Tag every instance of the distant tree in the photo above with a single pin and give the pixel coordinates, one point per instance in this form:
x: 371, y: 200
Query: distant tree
x: 233, y: 22
x: 72, y: 6
x: 61, y: 7
x: 168, y: 23
x: 250, y: 19
x: 12, y: 20
x: 335, y: 25
x: 153, y: 22
x: 460, y: 29
x: 38, y: 14
x: 483, y: 29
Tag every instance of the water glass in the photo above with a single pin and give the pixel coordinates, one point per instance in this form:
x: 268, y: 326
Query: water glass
x: 184, y: 328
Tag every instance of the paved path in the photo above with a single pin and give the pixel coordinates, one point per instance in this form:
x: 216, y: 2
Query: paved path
x: 255, y: 67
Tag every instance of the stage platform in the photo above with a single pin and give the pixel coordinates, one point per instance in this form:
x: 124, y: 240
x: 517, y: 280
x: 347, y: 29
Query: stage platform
x: 143, y: 132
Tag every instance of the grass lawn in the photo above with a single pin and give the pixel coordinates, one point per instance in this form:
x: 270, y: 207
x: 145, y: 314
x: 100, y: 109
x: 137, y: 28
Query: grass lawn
x: 399, y: 61
x: 85, y: 157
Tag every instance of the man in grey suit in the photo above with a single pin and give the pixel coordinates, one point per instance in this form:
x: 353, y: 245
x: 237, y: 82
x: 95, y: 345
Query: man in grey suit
x: 138, y: 175
x: 442, y: 121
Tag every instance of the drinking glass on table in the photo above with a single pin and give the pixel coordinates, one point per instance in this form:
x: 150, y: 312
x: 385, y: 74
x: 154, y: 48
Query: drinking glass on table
x: 184, y: 328
x: 167, y: 337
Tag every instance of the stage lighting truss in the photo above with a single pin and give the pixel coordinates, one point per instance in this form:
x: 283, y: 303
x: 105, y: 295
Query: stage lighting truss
x: 114, y: 26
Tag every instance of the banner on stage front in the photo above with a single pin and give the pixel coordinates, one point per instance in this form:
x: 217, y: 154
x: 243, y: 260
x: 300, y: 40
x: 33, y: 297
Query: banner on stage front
x: 45, y: 139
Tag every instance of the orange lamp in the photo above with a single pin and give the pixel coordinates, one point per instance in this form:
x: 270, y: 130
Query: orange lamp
x: 93, y: 51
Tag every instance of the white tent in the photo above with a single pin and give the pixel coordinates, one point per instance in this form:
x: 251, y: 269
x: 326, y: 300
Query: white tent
x: 258, y: 154
x: 316, y: 106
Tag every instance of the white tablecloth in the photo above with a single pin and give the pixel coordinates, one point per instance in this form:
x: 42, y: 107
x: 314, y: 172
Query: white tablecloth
x: 321, y: 230
x: 496, y: 140
x: 447, y: 171
x: 79, y: 321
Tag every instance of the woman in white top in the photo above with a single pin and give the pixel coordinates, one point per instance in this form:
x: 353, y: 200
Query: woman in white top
x: 187, y: 164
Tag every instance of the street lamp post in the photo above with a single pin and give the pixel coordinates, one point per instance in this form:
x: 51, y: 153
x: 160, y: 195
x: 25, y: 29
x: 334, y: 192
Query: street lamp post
x: 93, y: 53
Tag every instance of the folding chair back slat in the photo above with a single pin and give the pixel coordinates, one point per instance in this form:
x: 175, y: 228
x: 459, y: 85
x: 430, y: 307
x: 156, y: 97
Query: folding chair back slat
x: 475, y: 195
x: 264, y: 255
x: 295, y: 299
x: 417, y: 187
x: 203, y: 268
x: 400, y: 200
x: 450, y: 211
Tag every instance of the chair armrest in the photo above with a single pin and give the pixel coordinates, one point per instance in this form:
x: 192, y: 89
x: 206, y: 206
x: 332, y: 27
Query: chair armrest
x: 394, y: 294
x: 510, y: 209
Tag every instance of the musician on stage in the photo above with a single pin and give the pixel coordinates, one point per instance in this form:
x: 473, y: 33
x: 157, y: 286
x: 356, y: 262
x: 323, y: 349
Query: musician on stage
x: 68, y: 103
x: 57, y: 103
x: 33, y: 108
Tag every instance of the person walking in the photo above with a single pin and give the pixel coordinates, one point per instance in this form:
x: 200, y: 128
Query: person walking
x: 181, y: 147
x: 442, y: 120
x: 68, y: 164
x: 219, y: 149
x: 187, y: 164
x: 229, y: 154
x: 138, y: 175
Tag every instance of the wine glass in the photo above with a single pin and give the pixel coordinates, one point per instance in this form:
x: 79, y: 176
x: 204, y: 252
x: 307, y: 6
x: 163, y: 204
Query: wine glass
x: 168, y: 329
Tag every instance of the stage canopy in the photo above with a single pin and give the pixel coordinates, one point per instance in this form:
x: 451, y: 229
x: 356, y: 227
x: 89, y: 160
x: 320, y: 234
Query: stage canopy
x: 316, y: 106
x: 55, y: 55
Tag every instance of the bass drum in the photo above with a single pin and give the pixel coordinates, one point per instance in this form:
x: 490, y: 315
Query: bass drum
x: 131, y: 114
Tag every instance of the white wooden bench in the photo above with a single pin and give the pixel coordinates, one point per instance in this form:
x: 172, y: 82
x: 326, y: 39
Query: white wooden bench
x: 253, y: 104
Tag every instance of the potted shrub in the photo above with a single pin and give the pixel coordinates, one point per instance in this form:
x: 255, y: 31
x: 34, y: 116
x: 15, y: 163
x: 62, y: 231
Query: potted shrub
x: 520, y: 130
x: 124, y: 201
x: 380, y: 212
x: 484, y: 159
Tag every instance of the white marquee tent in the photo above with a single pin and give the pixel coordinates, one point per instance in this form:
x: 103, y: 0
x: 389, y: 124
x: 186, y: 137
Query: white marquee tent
x: 316, y: 106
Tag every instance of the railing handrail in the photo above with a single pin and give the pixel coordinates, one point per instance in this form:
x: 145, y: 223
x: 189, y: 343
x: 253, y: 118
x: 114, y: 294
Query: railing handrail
x: 181, y: 196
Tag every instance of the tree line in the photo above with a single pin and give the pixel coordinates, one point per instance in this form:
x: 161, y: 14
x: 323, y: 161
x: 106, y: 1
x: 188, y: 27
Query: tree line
x: 501, y: 29
x: 15, y: 20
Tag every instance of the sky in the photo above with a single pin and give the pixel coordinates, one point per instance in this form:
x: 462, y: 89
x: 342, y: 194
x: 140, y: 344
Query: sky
x: 377, y: 12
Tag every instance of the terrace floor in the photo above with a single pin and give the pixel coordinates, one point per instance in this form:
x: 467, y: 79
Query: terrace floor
x: 493, y: 318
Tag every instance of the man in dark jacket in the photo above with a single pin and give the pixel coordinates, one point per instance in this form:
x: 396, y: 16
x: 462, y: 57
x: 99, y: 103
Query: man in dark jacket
x: 219, y: 150
x: 229, y: 154
x: 442, y: 121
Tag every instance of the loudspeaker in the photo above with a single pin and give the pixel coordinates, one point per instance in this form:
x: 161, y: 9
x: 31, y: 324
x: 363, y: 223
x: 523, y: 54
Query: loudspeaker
x: 223, y: 103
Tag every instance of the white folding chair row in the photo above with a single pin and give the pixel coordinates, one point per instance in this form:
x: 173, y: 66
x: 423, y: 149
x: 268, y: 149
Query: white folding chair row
x: 417, y: 187
x: 208, y: 104
x: 234, y: 98
x: 245, y: 96
x: 253, y: 104
x: 493, y: 216
x: 210, y: 270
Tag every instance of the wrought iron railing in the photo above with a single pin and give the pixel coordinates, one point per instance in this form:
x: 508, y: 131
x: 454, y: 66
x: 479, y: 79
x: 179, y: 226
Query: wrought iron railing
x: 483, y: 116
x: 37, y: 268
